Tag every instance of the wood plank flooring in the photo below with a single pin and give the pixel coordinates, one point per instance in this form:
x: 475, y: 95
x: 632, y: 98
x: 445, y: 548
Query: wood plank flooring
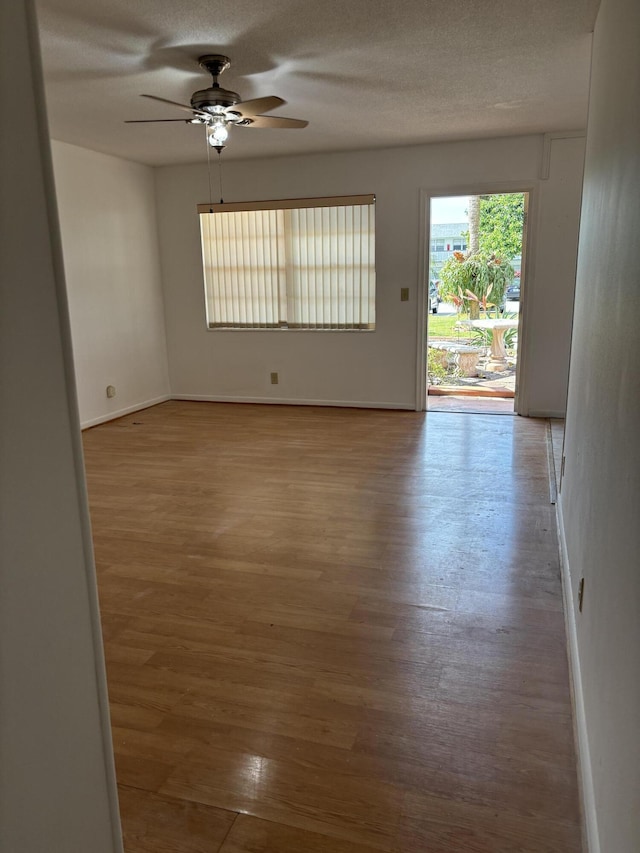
x: 333, y: 630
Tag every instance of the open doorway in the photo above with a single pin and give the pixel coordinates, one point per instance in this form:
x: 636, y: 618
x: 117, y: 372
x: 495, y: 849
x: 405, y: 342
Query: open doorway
x: 475, y: 284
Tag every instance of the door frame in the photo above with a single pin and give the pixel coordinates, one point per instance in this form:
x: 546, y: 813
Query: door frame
x: 528, y: 244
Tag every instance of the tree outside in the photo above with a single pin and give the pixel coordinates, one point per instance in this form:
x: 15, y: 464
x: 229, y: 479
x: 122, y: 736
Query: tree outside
x: 501, y: 223
x: 473, y: 214
x: 480, y: 277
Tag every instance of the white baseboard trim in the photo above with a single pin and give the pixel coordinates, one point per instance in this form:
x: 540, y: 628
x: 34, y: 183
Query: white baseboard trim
x: 112, y: 416
x: 585, y: 775
x: 295, y: 401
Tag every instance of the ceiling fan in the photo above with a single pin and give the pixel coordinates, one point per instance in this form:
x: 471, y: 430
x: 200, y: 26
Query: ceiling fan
x: 219, y: 109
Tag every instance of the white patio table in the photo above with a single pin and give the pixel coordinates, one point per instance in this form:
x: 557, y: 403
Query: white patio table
x: 498, y: 357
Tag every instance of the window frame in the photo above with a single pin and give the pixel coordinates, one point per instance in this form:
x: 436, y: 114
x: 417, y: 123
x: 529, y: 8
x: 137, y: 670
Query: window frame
x: 368, y: 199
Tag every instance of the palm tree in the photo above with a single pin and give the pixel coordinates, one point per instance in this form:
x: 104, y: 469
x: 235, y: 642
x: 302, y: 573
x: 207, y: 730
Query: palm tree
x: 473, y: 214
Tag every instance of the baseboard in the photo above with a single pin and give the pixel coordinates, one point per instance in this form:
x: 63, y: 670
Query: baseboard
x: 112, y: 416
x: 585, y: 776
x: 295, y: 401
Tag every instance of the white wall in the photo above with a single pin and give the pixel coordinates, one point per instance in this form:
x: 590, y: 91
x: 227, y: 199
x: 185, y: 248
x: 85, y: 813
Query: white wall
x: 600, y: 497
x: 110, y: 245
x: 57, y: 786
x: 376, y: 368
x: 549, y: 301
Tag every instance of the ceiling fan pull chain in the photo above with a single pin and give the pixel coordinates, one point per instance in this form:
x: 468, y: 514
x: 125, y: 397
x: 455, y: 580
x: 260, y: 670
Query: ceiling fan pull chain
x: 220, y: 173
x: 206, y: 137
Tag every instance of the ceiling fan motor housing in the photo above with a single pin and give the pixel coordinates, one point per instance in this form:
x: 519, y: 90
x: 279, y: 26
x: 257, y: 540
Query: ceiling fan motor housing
x: 207, y: 99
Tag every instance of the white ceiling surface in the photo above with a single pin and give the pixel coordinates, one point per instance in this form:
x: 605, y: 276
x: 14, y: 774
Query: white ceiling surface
x: 364, y: 73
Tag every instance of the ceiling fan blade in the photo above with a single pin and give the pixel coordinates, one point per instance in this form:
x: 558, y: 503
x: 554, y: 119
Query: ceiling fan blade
x: 174, y: 104
x: 255, y: 107
x: 150, y: 120
x: 275, y: 122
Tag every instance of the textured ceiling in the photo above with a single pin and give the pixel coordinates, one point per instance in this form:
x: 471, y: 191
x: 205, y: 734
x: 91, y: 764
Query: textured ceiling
x: 364, y: 73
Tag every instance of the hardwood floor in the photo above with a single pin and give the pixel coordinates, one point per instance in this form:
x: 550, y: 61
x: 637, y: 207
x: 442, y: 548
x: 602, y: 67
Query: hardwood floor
x: 333, y: 630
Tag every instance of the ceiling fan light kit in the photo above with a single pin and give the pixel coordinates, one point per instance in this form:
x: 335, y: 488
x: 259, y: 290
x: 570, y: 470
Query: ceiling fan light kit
x: 218, y: 133
x: 220, y: 109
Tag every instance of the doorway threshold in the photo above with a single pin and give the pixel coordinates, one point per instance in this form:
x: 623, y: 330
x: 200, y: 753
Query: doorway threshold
x: 487, y: 404
x: 475, y: 391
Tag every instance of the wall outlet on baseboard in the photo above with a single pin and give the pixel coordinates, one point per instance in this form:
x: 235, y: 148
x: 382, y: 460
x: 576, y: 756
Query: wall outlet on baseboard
x: 111, y: 390
x: 274, y: 379
x: 404, y: 294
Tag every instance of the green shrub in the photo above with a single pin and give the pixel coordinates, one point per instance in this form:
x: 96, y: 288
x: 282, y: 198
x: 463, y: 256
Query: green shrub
x: 478, y: 280
x: 440, y: 366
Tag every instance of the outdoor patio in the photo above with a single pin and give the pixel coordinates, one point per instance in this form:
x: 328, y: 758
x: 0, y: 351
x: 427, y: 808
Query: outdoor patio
x: 464, y: 362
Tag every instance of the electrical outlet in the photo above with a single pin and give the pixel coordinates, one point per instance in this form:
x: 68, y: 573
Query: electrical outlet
x: 274, y: 379
x: 580, y: 594
x: 404, y: 294
x: 111, y: 390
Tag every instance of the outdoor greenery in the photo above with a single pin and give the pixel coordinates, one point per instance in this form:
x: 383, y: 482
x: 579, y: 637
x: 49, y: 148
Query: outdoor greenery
x: 501, y: 224
x: 452, y: 327
x: 449, y: 326
x: 437, y: 370
x: 477, y: 280
x: 443, y: 326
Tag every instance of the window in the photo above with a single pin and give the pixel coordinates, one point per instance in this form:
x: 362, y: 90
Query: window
x: 437, y: 246
x: 290, y: 264
x: 459, y: 244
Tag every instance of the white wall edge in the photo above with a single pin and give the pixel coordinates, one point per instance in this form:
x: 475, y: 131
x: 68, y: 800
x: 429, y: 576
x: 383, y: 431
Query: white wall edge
x: 293, y: 401
x: 585, y: 775
x: 61, y: 297
x: 422, y: 330
x: 112, y: 416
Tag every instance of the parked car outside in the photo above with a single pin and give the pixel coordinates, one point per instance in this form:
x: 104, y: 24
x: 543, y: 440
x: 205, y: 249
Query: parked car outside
x: 513, y: 291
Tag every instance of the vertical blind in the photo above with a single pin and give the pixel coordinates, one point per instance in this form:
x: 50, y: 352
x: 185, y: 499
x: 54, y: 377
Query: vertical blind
x: 299, y: 263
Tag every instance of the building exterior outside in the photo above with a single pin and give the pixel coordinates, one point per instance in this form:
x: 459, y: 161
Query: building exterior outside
x: 445, y: 240
x: 451, y: 237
